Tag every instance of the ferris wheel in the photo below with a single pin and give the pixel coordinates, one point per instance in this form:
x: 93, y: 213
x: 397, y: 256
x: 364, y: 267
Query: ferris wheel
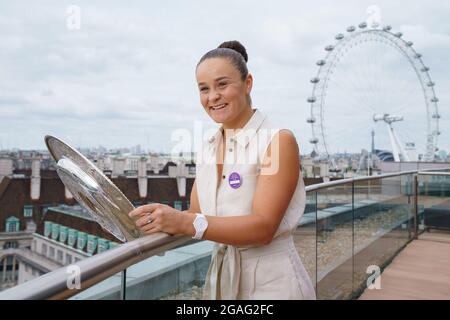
x: 371, y: 79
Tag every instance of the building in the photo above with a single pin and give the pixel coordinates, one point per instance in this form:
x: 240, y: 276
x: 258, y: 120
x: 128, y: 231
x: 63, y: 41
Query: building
x: 34, y: 201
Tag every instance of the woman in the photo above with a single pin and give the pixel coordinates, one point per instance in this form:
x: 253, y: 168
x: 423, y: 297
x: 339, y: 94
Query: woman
x: 248, y: 195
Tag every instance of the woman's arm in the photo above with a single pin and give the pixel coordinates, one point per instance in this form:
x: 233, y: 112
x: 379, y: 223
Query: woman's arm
x: 272, y: 196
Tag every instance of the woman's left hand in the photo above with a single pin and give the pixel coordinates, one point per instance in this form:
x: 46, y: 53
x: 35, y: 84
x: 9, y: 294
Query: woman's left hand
x: 157, y: 217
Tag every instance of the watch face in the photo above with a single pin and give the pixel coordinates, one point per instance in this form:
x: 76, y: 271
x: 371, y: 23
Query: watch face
x: 201, y: 224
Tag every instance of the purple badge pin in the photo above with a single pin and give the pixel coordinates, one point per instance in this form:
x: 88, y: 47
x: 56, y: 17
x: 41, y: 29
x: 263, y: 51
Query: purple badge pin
x: 235, y: 180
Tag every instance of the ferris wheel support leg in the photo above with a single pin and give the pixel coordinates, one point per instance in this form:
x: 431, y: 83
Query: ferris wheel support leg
x: 397, y: 149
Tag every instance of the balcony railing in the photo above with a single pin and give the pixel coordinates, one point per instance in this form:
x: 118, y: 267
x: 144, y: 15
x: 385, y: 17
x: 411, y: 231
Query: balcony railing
x: 350, y: 228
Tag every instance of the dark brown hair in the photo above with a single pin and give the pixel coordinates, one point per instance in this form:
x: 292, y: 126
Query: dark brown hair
x: 234, y: 51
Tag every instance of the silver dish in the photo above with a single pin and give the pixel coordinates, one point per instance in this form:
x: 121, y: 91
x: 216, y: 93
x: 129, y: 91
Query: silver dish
x: 93, y: 190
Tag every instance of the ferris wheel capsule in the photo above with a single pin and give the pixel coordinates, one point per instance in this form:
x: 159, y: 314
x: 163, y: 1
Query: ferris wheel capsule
x: 362, y: 25
x: 351, y: 29
x: 409, y: 43
x: 339, y: 36
x: 315, y: 80
x: 311, y: 99
x: 313, y: 140
x: 320, y: 62
x: 434, y: 99
x: 387, y: 28
x: 311, y: 120
x: 430, y: 83
x: 329, y: 48
x: 425, y: 69
x: 398, y: 34
x: 436, y: 116
x: 418, y: 56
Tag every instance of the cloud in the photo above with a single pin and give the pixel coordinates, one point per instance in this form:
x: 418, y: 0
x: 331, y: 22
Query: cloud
x: 126, y: 77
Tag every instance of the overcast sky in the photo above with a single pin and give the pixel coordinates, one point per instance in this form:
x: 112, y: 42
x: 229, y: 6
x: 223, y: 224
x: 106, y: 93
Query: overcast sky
x: 125, y: 74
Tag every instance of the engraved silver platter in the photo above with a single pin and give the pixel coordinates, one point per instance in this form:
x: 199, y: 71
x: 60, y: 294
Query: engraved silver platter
x: 93, y: 190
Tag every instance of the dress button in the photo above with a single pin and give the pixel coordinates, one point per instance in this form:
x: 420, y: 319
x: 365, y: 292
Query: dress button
x: 223, y: 176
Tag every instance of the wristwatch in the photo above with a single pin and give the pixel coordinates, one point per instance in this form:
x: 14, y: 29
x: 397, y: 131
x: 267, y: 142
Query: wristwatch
x: 200, y: 224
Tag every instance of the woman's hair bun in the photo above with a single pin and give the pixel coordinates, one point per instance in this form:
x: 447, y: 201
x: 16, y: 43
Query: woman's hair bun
x: 236, y: 46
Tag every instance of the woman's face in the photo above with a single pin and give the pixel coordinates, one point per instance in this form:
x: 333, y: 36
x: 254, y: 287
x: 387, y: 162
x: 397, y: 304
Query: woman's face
x: 223, y: 93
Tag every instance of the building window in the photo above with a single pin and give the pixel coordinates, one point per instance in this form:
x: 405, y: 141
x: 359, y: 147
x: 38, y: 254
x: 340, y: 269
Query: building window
x: 91, y: 244
x: 68, y: 259
x: 12, y: 224
x: 44, y: 249
x: 55, y: 231
x: 52, y: 252
x: 11, y: 245
x: 103, y: 245
x: 81, y: 240
x: 63, y: 234
x: 27, y: 211
x: 47, y: 228
x: 59, y: 256
x: 178, y: 205
x: 72, y: 238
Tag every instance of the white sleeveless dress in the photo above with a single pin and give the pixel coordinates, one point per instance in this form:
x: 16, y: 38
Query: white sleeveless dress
x: 274, y: 271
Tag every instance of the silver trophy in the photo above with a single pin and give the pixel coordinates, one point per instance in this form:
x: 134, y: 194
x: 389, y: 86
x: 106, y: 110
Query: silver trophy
x: 93, y: 190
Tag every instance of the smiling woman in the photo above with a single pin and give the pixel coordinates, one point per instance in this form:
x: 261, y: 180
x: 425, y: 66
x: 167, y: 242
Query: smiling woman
x: 248, y: 195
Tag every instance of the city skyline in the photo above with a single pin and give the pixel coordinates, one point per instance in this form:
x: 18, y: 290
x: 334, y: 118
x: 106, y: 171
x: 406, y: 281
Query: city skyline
x: 126, y: 75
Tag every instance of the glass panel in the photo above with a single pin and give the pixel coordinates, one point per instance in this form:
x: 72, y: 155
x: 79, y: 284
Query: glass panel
x: 178, y: 274
x: 434, y: 202
x: 334, y: 242
x: 383, y: 213
x: 305, y: 237
x: 178, y: 205
x: 108, y: 289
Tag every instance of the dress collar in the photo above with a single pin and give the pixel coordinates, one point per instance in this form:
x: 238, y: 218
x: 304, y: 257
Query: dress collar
x: 246, y: 134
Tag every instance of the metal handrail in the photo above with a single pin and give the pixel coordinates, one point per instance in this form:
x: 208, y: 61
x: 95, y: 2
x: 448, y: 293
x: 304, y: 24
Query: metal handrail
x: 54, y: 285
x: 323, y: 185
x: 99, y: 267
x: 434, y: 173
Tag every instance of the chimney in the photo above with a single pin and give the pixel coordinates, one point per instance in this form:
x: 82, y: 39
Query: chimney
x: 101, y: 164
x: 35, y: 179
x: 6, y: 167
x: 181, y: 173
x: 67, y: 193
x: 154, y: 164
x: 118, y: 167
x: 142, y: 177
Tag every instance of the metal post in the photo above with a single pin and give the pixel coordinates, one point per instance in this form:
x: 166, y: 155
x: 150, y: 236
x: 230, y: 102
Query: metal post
x: 13, y: 278
x: 353, y: 235
x: 317, y: 222
x: 416, y: 206
x: 5, y: 259
x: 123, y: 284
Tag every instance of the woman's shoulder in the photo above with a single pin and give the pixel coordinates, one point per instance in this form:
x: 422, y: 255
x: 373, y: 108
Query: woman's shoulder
x: 276, y: 131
